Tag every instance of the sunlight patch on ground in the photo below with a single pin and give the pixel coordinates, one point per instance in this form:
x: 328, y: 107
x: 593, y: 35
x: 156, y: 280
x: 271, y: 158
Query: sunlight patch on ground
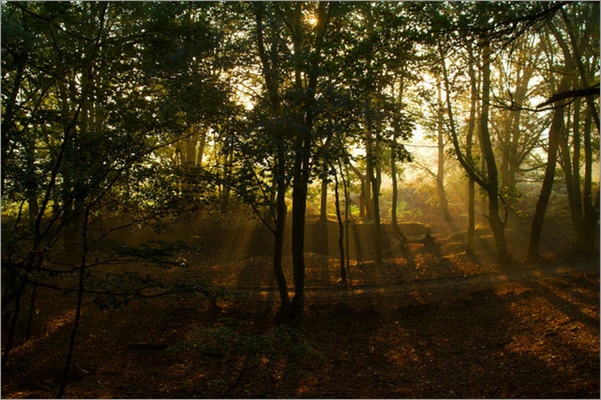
x: 51, y: 327
x: 27, y: 394
x: 54, y: 324
x: 548, y: 343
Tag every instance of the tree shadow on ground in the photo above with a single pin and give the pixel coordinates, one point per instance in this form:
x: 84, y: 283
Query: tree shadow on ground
x: 477, y: 345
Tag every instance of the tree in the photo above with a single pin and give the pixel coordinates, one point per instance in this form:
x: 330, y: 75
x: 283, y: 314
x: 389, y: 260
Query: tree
x: 440, y: 140
x: 90, y: 106
x: 555, y: 132
x: 290, y: 78
x: 475, y: 23
x: 402, y: 125
x: 579, y: 67
x: 516, y: 131
x: 492, y: 185
x: 376, y: 72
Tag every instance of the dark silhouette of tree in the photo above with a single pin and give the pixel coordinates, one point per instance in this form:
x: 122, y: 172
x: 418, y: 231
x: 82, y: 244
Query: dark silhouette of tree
x: 91, y: 102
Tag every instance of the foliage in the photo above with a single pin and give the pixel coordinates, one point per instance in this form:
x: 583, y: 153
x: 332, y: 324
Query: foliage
x: 147, y: 113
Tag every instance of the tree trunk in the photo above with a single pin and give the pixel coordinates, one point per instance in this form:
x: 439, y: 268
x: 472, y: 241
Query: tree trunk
x: 279, y: 230
x: 572, y: 180
x: 442, y: 197
x: 271, y: 83
x: 373, y: 177
x: 370, y: 177
x: 340, y: 229
x: 488, y: 182
x: 393, y: 171
x: 323, y: 212
x: 395, y: 189
x: 364, y: 195
x: 590, y: 217
x: 582, y: 242
x: 545, y: 193
x: 511, y: 157
x: 496, y: 224
x: 299, y: 206
x: 347, y: 213
x: 471, y: 184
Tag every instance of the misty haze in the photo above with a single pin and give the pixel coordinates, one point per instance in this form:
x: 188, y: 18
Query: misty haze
x: 300, y: 199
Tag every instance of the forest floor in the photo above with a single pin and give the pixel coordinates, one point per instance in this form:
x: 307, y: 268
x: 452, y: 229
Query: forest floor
x: 427, y: 323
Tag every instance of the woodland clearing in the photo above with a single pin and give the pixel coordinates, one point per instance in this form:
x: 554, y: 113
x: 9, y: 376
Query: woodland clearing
x: 422, y: 324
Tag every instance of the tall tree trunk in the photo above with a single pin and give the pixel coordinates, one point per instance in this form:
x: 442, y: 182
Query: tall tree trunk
x: 395, y: 189
x: 471, y: 184
x: 366, y: 206
x: 572, y: 180
x: 34, y: 209
x: 394, y: 177
x: 370, y: 176
x: 582, y: 242
x: 347, y: 213
x: 442, y: 197
x: 373, y: 178
x: 364, y: 195
x: 301, y: 168
x: 270, y: 75
x: 496, y: 224
x: 590, y: 218
x: 202, y: 142
x: 323, y: 212
x: 393, y: 161
x: 490, y: 182
x: 577, y: 55
x: 545, y: 193
x: 340, y: 227
x: 280, y: 229
x: 511, y: 157
x: 299, y: 207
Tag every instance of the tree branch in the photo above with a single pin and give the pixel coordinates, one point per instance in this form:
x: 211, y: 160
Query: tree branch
x: 591, y: 91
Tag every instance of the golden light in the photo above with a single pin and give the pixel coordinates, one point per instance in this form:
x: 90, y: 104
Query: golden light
x: 311, y: 20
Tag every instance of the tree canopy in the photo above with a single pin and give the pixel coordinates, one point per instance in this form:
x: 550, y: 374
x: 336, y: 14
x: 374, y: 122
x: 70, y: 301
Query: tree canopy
x: 149, y: 111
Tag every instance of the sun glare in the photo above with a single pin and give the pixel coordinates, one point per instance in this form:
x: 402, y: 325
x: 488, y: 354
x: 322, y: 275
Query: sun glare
x: 311, y: 19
